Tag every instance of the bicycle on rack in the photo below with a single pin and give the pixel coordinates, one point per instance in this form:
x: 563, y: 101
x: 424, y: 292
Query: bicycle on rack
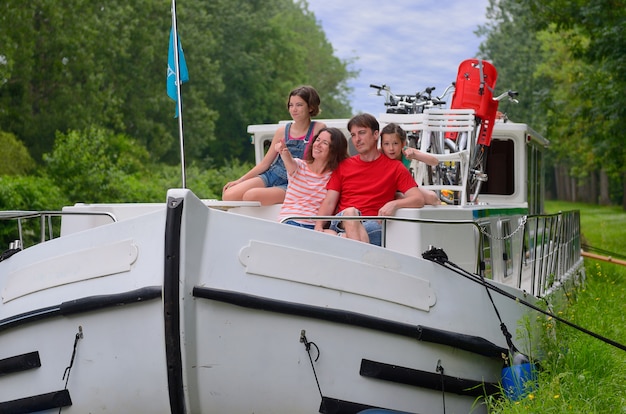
x: 472, y: 90
x: 410, y: 103
x: 475, y: 85
x: 475, y: 141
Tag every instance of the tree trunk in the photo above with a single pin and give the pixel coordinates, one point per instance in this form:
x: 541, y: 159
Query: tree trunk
x: 586, y: 189
x: 604, y: 200
x: 563, y: 184
x: 593, y: 189
x: 624, y: 191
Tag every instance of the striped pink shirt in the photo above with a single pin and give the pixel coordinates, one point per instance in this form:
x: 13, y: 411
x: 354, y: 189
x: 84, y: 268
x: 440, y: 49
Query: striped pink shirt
x: 305, y: 192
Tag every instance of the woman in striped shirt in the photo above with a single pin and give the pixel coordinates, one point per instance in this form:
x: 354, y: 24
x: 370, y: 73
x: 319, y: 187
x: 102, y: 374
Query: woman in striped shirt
x: 308, y: 177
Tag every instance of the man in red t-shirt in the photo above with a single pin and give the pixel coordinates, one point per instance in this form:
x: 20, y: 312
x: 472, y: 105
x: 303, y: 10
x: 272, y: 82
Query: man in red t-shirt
x: 366, y: 185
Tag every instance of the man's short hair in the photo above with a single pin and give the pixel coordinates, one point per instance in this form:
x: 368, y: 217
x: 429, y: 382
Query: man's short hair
x: 364, y: 120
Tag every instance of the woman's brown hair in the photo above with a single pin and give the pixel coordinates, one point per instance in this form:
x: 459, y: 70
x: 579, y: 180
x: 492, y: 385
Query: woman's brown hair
x: 337, y: 151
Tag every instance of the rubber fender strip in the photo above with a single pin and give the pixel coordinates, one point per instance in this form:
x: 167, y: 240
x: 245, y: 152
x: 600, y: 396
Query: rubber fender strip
x: 171, y: 305
x: 19, y: 363
x: 34, y: 403
x: 424, y: 379
x: 470, y: 343
x: 82, y: 305
x: 336, y: 406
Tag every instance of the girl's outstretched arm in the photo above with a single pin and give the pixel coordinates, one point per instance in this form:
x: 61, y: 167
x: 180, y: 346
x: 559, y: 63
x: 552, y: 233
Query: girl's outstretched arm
x: 414, y: 154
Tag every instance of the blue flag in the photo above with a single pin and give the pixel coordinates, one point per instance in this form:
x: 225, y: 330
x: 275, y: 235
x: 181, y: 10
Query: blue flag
x: 171, y: 70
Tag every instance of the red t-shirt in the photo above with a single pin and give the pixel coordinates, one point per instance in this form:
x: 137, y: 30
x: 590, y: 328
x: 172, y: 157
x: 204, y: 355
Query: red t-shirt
x: 369, y: 185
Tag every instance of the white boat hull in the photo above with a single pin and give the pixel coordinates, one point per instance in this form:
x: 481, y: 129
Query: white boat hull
x: 197, y: 310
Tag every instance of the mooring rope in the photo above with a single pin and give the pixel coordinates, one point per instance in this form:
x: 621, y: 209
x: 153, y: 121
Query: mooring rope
x: 78, y: 336
x: 439, y: 256
x: 307, y: 346
x: 439, y: 369
x: 434, y: 256
x: 588, y: 248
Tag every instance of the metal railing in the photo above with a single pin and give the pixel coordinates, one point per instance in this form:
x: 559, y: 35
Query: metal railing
x: 552, y: 250
x: 550, y: 245
x: 46, y: 225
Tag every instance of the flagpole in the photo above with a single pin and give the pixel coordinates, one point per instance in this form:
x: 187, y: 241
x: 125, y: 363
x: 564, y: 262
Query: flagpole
x: 179, y: 101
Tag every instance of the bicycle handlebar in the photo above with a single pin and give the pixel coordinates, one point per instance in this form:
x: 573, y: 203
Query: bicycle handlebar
x: 511, y: 95
x: 411, y: 103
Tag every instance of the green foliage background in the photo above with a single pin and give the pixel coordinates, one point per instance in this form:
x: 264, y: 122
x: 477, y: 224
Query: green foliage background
x: 83, y: 104
x: 74, y: 64
x: 83, y: 108
x: 567, y: 59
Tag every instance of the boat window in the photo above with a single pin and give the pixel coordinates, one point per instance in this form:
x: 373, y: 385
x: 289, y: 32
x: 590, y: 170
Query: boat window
x: 485, y: 252
x: 500, y: 168
x: 535, y: 179
x: 507, y: 248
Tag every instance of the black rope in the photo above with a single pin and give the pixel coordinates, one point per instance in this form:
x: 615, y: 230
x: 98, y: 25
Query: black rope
x: 475, y: 278
x: 588, y: 248
x: 439, y: 256
x: 505, y: 331
x: 307, y: 346
x: 439, y: 369
x: 8, y: 253
x: 78, y: 336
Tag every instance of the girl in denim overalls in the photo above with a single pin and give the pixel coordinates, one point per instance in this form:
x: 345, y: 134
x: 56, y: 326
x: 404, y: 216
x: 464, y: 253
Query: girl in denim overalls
x: 267, y: 181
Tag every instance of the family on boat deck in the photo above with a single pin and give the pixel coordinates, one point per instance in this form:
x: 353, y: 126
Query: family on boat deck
x: 366, y: 185
x: 315, y: 177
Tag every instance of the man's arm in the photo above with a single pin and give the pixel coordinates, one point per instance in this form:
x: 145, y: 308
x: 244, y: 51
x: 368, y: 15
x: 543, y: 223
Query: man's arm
x: 413, y: 198
x: 327, y: 208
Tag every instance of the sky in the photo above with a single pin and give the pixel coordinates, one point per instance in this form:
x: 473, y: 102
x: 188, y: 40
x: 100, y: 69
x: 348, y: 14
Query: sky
x: 406, y: 44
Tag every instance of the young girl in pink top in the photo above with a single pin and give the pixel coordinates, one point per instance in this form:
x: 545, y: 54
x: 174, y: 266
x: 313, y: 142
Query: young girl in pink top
x: 308, y: 177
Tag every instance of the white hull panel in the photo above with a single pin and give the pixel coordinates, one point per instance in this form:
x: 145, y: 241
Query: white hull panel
x: 197, y: 310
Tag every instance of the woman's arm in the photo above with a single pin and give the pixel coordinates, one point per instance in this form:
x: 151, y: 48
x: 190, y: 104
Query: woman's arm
x: 290, y: 163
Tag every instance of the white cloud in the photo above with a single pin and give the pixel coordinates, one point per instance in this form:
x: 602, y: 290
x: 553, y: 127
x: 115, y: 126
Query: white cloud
x: 407, y: 44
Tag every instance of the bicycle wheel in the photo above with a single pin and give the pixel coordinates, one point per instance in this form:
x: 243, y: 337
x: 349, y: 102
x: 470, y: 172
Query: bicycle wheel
x: 445, y: 173
x: 477, y: 175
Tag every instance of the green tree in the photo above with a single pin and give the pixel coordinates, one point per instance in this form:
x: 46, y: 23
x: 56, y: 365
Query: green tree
x: 266, y: 49
x: 77, y: 63
x: 96, y: 165
x: 26, y: 193
x: 595, y: 34
x: 515, y: 51
x: 14, y: 157
x: 556, y: 54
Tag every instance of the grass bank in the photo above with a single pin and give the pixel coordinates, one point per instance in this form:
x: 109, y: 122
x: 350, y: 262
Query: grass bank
x: 581, y: 374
